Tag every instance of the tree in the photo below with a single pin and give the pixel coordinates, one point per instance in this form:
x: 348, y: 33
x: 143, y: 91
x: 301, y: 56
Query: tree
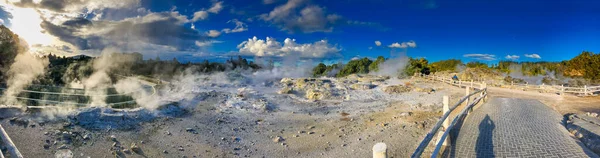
x: 355, y: 66
x: 445, y: 65
x: 319, y: 70
x: 10, y: 46
x: 417, y: 65
x: 374, y: 67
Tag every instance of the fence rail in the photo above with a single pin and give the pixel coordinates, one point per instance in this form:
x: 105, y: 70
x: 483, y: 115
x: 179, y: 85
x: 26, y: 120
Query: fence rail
x: 446, y: 124
x: 581, y: 91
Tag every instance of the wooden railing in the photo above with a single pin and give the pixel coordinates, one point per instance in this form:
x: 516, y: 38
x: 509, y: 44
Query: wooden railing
x: 580, y: 91
x: 444, y: 125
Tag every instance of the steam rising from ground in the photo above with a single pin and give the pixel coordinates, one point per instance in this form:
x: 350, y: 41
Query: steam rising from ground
x: 97, y: 84
x: 25, y: 69
x: 395, y: 65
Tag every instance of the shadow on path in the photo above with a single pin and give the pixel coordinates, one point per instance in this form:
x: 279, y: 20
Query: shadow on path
x: 485, y: 145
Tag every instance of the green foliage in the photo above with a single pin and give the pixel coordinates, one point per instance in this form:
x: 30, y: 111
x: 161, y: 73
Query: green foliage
x: 360, y: 66
x: 319, y: 70
x: 374, y: 67
x: 9, y: 48
x: 477, y: 64
x: 417, y: 65
x: 586, y: 65
x: 445, y: 65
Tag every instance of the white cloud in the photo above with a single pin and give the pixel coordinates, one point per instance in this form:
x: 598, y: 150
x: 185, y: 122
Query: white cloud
x: 410, y: 44
x: 378, y: 43
x: 299, y: 16
x: 487, y: 57
x: 512, y: 57
x: 203, y: 14
x: 216, y: 8
x: 206, y: 43
x: 200, y: 15
x: 272, y: 48
x: 213, y: 33
x: 534, y: 56
x: 239, y: 27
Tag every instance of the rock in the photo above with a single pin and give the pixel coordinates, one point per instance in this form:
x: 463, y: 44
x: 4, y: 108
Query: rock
x: 360, y: 86
x: 286, y: 90
x: 87, y: 136
x: 314, y: 94
x: 311, y: 127
x: 64, y: 146
x: 300, y: 132
x: 311, y: 132
x: 113, y: 138
x: 46, y: 146
x: 126, y: 151
x: 189, y: 130
x: 136, y: 148
x: 405, y: 114
x: 180, y: 148
x: 165, y: 151
x: 396, y: 89
x: 278, y: 139
x: 594, y: 114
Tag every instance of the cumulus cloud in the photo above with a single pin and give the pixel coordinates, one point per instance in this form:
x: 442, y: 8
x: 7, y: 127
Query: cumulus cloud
x: 203, y: 14
x: 273, y: 48
x: 410, y: 44
x: 512, y: 57
x: 534, y: 56
x: 216, y: 8
x: 98, y: 34
x: 378, y: 43
x: 239, y: 27
x: 213, y: 33
x: 487, y: 57
x: 200, y: 15
x: 299, y: 16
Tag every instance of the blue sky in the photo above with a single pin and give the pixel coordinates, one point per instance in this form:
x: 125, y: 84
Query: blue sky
x: 484, y: 30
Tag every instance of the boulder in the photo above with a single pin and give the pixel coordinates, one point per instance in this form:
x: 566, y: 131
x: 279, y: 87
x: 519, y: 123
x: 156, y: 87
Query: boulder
x: 395, y: 89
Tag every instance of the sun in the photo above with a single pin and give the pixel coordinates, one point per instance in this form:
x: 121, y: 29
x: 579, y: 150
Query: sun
x: 26, y: 23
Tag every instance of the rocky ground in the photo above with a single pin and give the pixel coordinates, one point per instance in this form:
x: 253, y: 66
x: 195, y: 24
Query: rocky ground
x: 302, y: 117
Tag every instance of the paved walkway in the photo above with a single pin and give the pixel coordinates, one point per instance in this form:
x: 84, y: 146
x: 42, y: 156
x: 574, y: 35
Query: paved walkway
x: 506, y: 127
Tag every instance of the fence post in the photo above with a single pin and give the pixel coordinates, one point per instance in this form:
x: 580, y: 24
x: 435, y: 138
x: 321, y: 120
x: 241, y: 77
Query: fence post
x: 380, y: 150
x: 585, y: 90
x: 446, y: 124
x: 471, y: 82
x: 466, y: 103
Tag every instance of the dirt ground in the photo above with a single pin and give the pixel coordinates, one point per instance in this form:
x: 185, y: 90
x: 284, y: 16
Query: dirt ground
x: 300, y: 129
x: 315, y: 129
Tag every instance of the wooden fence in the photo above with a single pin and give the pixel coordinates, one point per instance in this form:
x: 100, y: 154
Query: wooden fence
x: 579, y: 91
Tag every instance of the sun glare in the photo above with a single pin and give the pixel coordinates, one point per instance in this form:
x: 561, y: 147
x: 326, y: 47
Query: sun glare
x: 26, y: 23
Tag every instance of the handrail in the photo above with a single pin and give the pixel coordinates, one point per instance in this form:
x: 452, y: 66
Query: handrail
x: 585, y: 90
x: 437, y: 126
x: 455, y: 120
x: 10, y: 146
